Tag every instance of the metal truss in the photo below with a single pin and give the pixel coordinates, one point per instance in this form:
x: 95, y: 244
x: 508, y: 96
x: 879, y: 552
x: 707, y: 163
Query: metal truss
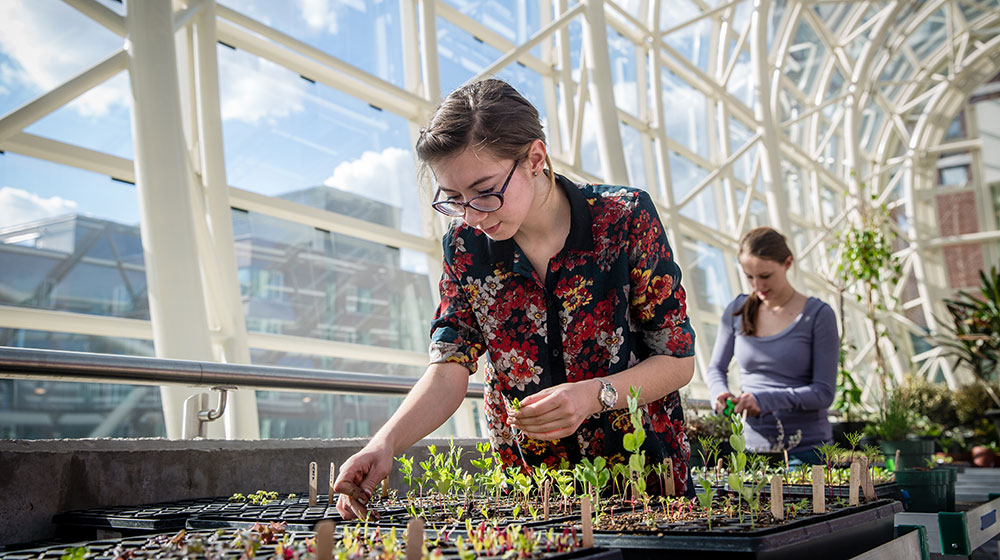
x: 805, y: 110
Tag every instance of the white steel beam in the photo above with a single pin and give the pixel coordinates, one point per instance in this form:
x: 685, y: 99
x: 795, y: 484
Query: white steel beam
x: 176, y: 293
x: 225, y: 303
x: 602, y: 95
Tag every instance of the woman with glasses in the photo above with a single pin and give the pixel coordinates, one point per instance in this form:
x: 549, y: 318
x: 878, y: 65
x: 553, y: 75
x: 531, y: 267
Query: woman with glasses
x: 570, y: 292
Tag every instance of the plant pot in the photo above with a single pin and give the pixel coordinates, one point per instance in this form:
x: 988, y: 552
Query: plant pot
x: 913, y: 453
x: 929, y: 490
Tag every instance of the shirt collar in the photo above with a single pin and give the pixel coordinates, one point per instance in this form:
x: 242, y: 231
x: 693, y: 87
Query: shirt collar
x: 581, y: 233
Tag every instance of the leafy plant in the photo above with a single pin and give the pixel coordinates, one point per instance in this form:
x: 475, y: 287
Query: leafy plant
x: 633, y: 442
x: 974, y: 335
x: 867, y: 262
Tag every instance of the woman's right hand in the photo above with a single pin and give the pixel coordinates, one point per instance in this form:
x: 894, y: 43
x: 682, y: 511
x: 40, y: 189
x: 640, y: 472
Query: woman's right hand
x: 720, y: 402
x: 359, y: 476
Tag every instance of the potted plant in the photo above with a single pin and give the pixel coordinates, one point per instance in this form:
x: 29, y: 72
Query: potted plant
x: 867, y: 263
x: 893, y: 431
x: 973, y: 338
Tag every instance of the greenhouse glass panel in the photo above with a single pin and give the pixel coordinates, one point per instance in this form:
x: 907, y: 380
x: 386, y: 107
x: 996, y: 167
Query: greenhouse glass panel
x: 705, y: 274
x: 635, y: 162
x: 686, y: 113
x: 302, y: 281
x: 805, y: 55
x: 463, y: 56
x: 368, y: 34
x: 45, y: 44
x: 692, y: 41
x: 69, y: 240
x: 36, y: 409
x: 684, y: 175
x: 289, y: 138
x: 624, y: 54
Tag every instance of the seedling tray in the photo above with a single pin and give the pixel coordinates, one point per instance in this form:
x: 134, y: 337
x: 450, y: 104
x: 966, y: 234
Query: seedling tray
x: 840, y: 534
x: 139, y: 519
x: 154, y: 518
x: 885, y: 490
x: 156, y: 546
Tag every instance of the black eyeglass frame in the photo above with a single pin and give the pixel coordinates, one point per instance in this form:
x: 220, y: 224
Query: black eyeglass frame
x: 440, y: 205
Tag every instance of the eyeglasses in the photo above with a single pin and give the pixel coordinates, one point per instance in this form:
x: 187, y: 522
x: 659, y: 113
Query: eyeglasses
x: 488, y: 202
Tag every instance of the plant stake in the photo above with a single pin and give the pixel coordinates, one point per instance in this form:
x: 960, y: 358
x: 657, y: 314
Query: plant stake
x: 545, y: 499
x: 385, y: 487
x: 324, y: 539
x: 312, y: 484
x: 414, y: 539
x: 855, y: 481
x: 333, y: 476
x: 668, y: 477
x: 819, y: 496
x: 587, y: 522
x: 777, y: 498
x: 895, y: 464
x: 866, y: 477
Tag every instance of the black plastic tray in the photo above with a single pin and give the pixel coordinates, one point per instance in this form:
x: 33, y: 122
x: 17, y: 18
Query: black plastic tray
x: 841, y: 534
x: 102, y: 550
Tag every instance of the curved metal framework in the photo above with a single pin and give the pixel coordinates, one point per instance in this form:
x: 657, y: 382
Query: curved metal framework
x: 731, y: 114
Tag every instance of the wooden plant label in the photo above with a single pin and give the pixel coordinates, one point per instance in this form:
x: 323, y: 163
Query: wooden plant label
x: 895, y: 464
x: 819, y: 496
x: 587, y: 522
x: 324, y: 539
x: 785, y: 451
x: 415, y: 539
x: 385, y: 487
x: 312, y: 484
x: 777, y: 498
x: 545, y: 499
x: 668, y: 477
x: 855, y: 482
x: 866, y: 480
x: 332, y: 498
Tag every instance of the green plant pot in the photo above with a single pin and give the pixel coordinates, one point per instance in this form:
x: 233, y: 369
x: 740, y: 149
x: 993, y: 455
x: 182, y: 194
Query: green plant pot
x: 913, y: 453
x: 929, y: 490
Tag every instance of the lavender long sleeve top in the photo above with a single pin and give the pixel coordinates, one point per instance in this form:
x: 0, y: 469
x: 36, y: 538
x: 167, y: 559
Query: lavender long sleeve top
x: 792, y: 374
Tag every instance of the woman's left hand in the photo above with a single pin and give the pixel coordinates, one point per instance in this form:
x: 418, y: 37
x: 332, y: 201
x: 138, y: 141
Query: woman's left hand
x: 747, y: 402
x: 556, y: 412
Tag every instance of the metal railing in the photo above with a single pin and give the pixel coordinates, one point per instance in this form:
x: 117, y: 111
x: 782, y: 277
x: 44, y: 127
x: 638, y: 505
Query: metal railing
x: 58, y: 365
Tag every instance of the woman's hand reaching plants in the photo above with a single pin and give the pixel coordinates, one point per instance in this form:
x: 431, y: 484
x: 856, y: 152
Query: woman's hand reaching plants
x: 556, y: 412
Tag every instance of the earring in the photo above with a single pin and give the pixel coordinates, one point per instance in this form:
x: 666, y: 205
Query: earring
x: 535, y: 174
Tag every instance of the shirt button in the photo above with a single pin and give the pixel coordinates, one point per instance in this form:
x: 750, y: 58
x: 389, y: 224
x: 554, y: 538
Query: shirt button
x: 556, y: 352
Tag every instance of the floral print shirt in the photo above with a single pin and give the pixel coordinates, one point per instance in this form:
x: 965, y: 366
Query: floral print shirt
x: 611, y: 298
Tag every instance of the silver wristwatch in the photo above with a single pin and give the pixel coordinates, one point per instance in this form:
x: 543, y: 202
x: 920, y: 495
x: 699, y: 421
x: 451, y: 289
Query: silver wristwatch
x: 608, y: 396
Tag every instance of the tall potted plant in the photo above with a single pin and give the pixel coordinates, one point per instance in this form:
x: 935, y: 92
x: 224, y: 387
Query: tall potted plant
x: 867, y: 263
x: 973, y: 338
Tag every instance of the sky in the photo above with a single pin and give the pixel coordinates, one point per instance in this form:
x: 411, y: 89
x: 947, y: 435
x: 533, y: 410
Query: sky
x: 282, y: 132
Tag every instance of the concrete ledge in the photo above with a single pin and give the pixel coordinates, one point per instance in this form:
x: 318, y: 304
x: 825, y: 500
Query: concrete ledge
x: 43, y: 477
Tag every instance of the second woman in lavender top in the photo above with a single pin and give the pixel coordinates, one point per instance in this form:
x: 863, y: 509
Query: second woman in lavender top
x: 787, y: 360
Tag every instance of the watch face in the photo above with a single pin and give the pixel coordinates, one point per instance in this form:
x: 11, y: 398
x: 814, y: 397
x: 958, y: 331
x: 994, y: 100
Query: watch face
x: 608, y: 395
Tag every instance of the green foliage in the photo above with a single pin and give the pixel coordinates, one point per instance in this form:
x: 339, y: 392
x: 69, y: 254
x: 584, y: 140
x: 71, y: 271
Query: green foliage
x: 868, y: 264
x: 896, y: 419
x: 633, y: 442
x: 974, y: 336
x: 75, y: 553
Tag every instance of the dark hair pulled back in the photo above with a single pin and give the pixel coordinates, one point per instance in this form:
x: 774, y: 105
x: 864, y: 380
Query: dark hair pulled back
x: 486, y: 115
x: 763, y: 243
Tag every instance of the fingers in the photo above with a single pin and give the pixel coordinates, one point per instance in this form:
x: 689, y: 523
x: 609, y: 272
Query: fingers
x: 720, y: 401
